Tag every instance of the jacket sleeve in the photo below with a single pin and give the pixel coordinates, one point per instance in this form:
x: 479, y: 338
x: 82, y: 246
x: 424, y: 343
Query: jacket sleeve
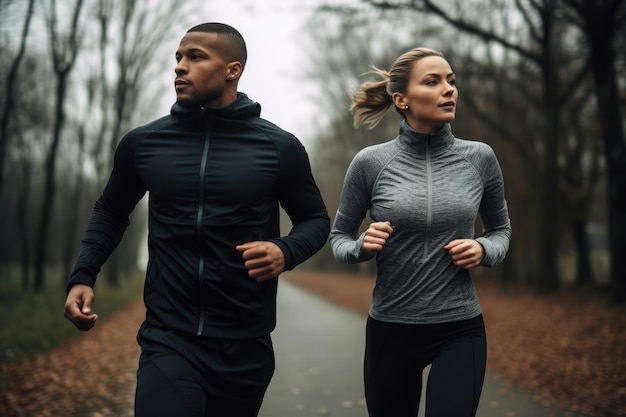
x: 301, y: 199
x: 345, y: 241
x: 110, y: 216
x: 493, y: 212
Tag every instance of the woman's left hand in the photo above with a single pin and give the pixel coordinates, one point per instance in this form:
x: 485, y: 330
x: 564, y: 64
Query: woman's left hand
x: 466, y: 253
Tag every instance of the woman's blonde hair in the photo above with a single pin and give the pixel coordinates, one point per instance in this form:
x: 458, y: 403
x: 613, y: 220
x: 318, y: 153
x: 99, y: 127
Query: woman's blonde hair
x: 373, y: 99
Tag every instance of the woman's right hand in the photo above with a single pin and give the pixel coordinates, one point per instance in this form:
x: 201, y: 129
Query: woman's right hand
x: 376, y: 236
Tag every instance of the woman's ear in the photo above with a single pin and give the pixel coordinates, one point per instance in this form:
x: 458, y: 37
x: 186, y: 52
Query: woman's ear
x: 399, y: 101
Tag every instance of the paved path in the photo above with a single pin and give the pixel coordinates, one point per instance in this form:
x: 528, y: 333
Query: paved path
x: 319, y: 354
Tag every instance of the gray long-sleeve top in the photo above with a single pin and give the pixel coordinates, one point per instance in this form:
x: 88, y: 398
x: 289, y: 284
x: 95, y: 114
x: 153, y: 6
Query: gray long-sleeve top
x: 431, y: 187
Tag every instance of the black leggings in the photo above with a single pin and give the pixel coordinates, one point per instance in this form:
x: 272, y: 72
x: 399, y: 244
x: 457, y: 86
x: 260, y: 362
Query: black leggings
x: 395, y: 358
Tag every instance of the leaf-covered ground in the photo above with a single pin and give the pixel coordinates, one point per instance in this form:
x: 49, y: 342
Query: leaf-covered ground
x: 569, y: 347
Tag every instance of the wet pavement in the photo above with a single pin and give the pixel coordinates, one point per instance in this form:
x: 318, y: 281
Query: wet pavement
x: 319, y: 355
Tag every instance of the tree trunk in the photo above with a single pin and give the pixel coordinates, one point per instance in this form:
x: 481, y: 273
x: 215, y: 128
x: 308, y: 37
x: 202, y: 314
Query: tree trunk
x: 63, y: 57
x: 9, y: 93
x: 70, y: 249
x: 601, y: 31
x: 584, y: 272
x: 22, y: 224
x: 548, y: 275
x: 71, y: 233
x: 47, y: 204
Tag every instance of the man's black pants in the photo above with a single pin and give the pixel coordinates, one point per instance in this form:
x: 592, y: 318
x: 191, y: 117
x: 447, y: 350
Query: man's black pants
x: 188, y: 376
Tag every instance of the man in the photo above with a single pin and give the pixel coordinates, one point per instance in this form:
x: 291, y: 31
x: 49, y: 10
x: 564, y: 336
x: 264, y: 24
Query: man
x: 216, y: 173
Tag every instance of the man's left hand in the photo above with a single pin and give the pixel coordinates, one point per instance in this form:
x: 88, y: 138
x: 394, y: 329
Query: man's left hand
x: 264, y: 260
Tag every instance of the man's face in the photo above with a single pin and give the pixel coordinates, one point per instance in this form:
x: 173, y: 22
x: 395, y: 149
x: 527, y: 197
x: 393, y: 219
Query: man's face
x: 202, y: 72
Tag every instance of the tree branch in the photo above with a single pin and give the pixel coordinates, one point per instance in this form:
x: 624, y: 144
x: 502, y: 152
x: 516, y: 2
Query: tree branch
x: 429, y: 6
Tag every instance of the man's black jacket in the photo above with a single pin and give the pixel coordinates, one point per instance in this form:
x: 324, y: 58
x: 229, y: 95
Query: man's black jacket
x: 215, y: 179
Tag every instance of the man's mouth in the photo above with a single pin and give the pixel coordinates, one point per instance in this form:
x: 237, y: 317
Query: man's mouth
x: 180, y: 83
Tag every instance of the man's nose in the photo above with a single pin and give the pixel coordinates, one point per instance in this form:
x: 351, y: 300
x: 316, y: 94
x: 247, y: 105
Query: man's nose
x: 181, y: 67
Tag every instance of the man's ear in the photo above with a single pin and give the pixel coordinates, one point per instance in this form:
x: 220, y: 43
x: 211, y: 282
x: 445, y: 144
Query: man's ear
x: 234, y: 70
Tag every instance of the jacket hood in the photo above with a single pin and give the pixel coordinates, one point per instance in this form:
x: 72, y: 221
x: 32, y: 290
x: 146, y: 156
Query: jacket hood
x: 240, y: 109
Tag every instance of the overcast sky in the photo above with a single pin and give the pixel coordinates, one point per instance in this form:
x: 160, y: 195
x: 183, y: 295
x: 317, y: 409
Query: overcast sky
x: 278, y: 56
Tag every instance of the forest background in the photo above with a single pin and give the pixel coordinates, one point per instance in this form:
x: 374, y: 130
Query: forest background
x: 542, y: 81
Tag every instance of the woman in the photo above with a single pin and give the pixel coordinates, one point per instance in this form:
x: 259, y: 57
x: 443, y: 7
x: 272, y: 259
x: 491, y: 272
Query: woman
x: 423, y: 191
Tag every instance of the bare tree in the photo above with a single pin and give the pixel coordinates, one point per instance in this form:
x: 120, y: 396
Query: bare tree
x: 31, y: 121
x: 76, y: 191
x: 513, y: 98
x: 9, y: 91
x: 582, y: 154
x: 64, y: 48
x: 131, y: 34
x: 600, y: 20
x: 135, y: 48
x: 103, y: 15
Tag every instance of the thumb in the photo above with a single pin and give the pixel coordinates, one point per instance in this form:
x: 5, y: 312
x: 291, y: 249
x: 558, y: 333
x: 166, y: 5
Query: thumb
x: 86, y: 308
x: 245, y: 246
x: 452, y: 244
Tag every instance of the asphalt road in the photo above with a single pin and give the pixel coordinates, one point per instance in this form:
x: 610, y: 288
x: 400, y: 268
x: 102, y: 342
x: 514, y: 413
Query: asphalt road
x: 319, y: 354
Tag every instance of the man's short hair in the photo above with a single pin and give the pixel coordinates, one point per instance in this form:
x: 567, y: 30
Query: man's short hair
x: 235, y: 42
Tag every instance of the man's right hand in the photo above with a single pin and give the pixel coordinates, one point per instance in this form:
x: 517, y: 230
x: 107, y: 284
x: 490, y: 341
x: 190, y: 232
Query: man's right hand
x: 78, y: 307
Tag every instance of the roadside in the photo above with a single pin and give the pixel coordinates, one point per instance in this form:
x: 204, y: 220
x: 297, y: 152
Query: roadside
x: 91, y: 376
x: 568, y: 350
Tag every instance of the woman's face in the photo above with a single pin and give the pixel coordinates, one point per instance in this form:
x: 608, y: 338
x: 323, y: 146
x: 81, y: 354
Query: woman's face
x: 431, y: 95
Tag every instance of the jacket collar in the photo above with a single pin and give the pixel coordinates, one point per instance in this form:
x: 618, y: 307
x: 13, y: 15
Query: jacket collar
x: 240, y: 109
x: 420, y: 142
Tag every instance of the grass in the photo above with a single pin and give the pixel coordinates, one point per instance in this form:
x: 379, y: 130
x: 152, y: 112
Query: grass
x: 31, y: 324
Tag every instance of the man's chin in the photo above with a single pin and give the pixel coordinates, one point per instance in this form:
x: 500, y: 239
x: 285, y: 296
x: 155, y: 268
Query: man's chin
x: 186, y: 102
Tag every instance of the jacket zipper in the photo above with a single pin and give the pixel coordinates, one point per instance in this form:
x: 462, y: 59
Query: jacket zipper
x: 429, y: 197
x: 200, y: 215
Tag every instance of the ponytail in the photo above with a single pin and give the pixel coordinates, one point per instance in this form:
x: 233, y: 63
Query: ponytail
x: 371, y: 102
